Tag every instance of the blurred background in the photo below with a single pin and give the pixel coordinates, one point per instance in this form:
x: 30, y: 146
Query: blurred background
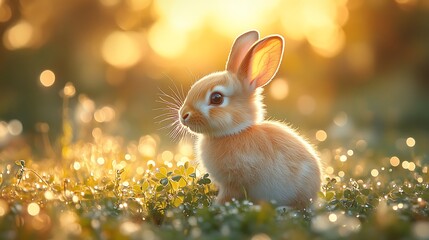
x: 352, y: 68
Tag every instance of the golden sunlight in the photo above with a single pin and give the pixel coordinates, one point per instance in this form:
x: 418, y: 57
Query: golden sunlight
x: 319, y: 22
x: 166, y: 40
x: 5, y: 12
x: 138, y: 5
x: 121, y: 49
x: 279, y: 89
x: 18, y: 36
x: 233, y: 17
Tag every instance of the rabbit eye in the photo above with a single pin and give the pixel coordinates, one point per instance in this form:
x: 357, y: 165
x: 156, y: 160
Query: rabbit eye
x: 216, y: 98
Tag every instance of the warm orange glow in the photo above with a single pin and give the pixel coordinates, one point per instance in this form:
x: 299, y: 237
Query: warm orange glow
x: 18, y: 36
x: 167, y: 156
x: 166, y: 40
x: 121, y: 49
x: 85, y: 108
x: 321, y: 135
x: 186, y: 148
x: 4, y: 207
x: 5, y: 12
x: 3, y: 129
x: 147, y: 146
x: 232, y: 17
x: 319, y: 22
x: 406, y: 1
x: 394, y: 161
x: 329, y: 42
x: 105, y: 114
x: 33, y: 209
x: 374, y: 172
x: 279, y: 89
x: 109, y: 3
x: 69, y: 90
x: 47, y: 78
x: 138, y: 5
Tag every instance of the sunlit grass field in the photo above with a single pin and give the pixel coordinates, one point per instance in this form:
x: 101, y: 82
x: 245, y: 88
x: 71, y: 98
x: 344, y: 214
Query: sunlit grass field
x: 105, y: 187
x: 84, y: 152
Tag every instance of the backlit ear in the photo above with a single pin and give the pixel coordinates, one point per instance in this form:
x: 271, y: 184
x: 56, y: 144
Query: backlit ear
x: 239, y: 49
x: 262, y: 61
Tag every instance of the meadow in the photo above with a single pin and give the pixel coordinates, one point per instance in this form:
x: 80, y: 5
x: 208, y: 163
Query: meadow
x: 105, y: 187
x: 86, y: 153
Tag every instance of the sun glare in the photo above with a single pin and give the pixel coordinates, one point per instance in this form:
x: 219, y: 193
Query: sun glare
x: 317, y: 22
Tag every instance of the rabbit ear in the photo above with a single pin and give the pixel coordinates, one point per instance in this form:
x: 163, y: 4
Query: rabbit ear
x: 239, y: 49
x: 262, y: 61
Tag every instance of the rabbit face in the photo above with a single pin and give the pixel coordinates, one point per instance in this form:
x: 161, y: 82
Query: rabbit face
x: 218, y: 105
x: 226, y: 103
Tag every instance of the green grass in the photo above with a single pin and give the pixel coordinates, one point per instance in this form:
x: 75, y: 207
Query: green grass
x: 80, y: 196
x: 107, y: 188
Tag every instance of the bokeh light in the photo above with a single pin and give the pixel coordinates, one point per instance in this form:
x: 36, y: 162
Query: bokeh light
x: 394, y: 161
x: 405, y: 164
x: 122, y: 49
x: 319, y: 22
x: 411, y: 142
x: 167, y: 156
x: 352, y: 81
x: 69, y: 90
x: 374, y: 172
x: 18, y: 35
x: 332, y: 217
x: 33, y: 209
x: 321, y: 135
x: 15, y: 127
x: 279, y: 89
x: 105, y: 114
x: 47, y: 78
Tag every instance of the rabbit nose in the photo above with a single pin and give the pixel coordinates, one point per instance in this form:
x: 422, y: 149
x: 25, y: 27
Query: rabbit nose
x: 186, y: 116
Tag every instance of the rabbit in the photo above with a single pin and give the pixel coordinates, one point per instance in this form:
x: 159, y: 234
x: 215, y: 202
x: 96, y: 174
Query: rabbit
x: 246, y: 156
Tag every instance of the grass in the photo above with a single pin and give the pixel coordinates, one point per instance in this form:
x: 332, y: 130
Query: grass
x: 107, y: 188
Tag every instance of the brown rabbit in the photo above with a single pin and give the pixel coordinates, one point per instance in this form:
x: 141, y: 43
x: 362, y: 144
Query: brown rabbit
x: 246, y: 155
